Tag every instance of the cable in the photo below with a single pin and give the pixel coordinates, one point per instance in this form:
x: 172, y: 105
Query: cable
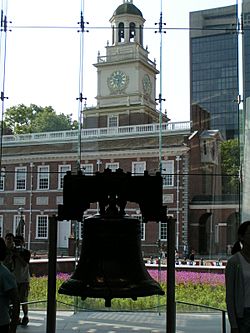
x: 13, y: 27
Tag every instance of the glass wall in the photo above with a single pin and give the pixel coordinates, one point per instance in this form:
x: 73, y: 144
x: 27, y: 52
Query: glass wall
x: 82, y: 96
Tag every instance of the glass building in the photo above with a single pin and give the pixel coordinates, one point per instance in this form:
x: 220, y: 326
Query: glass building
x: 246, y: 48
x: 214, y: 66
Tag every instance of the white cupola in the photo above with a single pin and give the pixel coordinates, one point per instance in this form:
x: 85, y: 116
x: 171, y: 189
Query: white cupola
x: 127, y: 24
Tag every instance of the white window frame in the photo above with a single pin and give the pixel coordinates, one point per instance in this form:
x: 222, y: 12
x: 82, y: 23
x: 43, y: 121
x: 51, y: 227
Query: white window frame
x: 112, y: 166
x: 20, y: 178
x: 87, y: 169
x: 62, y: 170
x: 138, y: 168
x: 216, y: 233
x: 16, y: 222
x: 42, y: 176
x: 39, y: 219
x: 113, y: 121
x: 80, y: 226
x: 80, y: 230
x: 168, y: 173
x: 142, y: 225
x: 143, y: 231
x: 1, y: 225
x: 2, y: 179
x: 163, y: 231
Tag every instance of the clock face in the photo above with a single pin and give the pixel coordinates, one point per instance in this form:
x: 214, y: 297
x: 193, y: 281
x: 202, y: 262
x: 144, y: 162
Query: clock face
x: 118, y: 81
x: 147, y: 85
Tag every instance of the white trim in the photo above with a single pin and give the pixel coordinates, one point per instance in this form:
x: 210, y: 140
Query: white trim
x: 62, y: 173
x: 16, y: 219
x: 138, y: 167
x: 87, y: 168
x: 112, y: 166
x: 98, y: 133
x: 47, y: 226
x: 2, y: 179
x: 23, y: 173
x: 213, y: 207
x: 168, y: 173
x: 161, y: 225
x: 46, y: 176
x: 142, y: 225
x: 110, y: 118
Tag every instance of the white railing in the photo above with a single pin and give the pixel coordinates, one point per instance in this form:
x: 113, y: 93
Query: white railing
x: 125, y: 56
x: 93, y: 133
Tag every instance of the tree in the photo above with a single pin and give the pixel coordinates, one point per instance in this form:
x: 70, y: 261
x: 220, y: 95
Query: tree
x: 48, y: 121
x: 4, y: 129
x: 34, y: 119
x: 230, y: 164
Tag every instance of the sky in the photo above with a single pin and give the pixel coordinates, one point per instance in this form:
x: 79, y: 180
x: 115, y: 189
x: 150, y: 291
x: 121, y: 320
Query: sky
x: 42, y: 60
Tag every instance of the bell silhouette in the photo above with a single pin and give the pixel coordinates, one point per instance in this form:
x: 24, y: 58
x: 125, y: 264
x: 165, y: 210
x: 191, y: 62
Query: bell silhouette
x: 111, y: 263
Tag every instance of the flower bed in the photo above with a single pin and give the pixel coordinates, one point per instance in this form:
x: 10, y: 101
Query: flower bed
x: 191, y: 287
x: 185, y: 277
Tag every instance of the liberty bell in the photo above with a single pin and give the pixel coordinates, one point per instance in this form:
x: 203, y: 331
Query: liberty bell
x: 111, y: 263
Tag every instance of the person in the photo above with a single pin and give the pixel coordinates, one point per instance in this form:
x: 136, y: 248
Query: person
x: 21, y: 271
x: 176, y: 254
x: 10, y: 249
x: 185, y: 250
x: 8, y: 295
x: 191, y: 256
x: 237, y: 280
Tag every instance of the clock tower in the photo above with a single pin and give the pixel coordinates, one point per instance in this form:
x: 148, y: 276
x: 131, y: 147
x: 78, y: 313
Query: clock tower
x: 126, y: 77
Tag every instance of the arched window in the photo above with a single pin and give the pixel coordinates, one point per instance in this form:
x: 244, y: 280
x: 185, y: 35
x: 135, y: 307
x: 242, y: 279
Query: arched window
x: 121, y: 32
x: 132, y: 31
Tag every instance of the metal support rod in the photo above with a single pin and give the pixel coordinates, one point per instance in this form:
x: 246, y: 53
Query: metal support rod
x: 178, y: 159
x: 77, y: 238
x: 160, y: 99
x: 223, y: 328
x: 30, y: 205
x: 51, y: 300
x: 171, y: 306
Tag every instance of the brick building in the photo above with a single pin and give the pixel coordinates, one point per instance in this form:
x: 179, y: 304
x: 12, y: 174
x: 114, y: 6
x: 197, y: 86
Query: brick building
x: 122, y: 131
x: 33, y: 167
x: 213, y: 215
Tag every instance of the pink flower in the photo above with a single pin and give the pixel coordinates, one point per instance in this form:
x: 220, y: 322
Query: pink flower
x: 184, y: 277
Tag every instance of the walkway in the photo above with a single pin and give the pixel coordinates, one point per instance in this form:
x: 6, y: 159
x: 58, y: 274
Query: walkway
x: 123, y: 322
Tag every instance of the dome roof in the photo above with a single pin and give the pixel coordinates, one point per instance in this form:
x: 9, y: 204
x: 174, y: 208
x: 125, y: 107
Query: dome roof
x: 127, y: 8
